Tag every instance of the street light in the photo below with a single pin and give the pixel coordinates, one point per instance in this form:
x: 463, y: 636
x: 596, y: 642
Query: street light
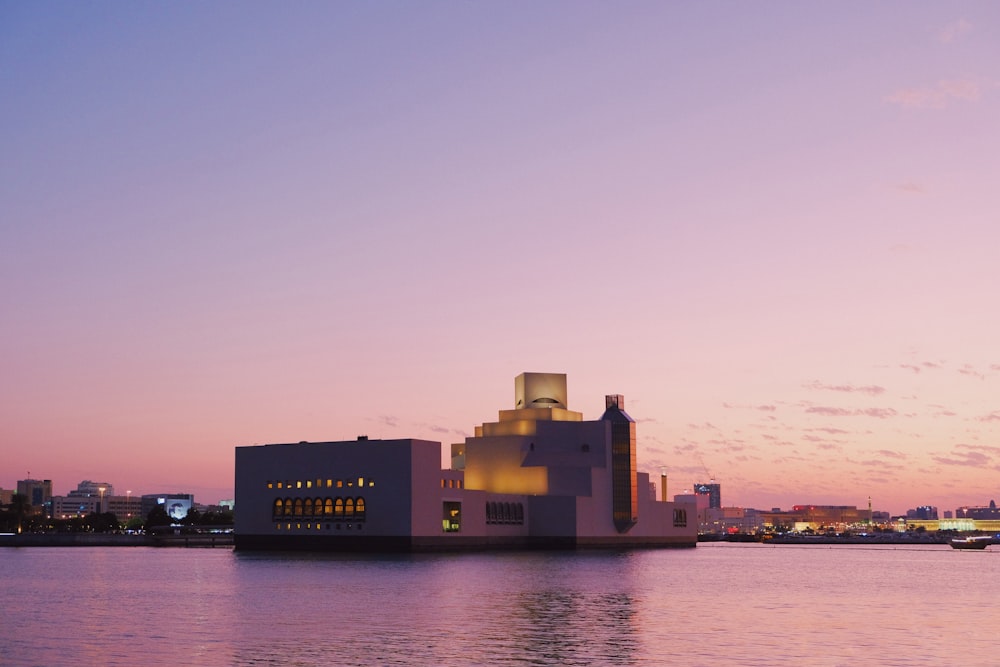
x: 128, y: 503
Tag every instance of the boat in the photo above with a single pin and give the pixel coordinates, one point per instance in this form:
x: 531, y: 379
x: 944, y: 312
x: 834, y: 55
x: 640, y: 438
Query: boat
x: 971, y: 542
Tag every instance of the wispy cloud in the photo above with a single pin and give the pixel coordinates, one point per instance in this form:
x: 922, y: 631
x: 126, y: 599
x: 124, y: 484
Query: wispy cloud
x: 878, y: 413
x: 971, y: 371
x: 871, y: 390
x: 954, y: 31
x: 972, y: 459
x: 911, y: 188
x: 991, y: 417
x: 916, y: 368
x: 938, y: 95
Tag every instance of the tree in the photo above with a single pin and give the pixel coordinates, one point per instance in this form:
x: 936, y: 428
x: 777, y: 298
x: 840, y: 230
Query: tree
x: 157, y: 517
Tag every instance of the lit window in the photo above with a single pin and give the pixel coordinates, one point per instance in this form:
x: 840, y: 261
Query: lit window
x: 458, y: 484
x: 298, y: 507
x: 451, y: 522
x: 340, y: 483
x: 371, y: 482
x: 329, y: 483
x: 298, y: 484
x: 279, y: 485
x: 288, y: 506
x: 309, y: 484
x: 338, y: 508
x: 443, y: 484
x: 359, y: 509
x: 319, y: 483
x: 270, y: 485
x: 278, y: 507
x: 349, y: 507
x: 328, y: 507
x: 361, y: 481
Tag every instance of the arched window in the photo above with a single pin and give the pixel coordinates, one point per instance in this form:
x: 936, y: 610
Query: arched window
x: 349, y: 507
x: 307, y: 507
x: 288, y: 506
x: 359, y: 509
x: 328, y: 507
x: 338, y: 508
x: 278, y: 505
x: 298, y: 507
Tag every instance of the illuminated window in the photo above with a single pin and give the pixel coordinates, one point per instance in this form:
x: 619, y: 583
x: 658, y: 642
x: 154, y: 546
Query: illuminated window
x: 298, y: 484
x: 338, y: 508
x: 319, y: 483
x: 340, y: 483
x: 298, y: 507
x: 328, y: 507
x: 451, y: 522
x: 288, y: 506
x: 361, y: 481
x: 309, y: 484
x: 279, y: 485
x: 329, y: 483
x: 349, y: 508
x: 278, y: 507
x: 270, y: 485
x: 278, y: 526
x: 359, y: 509
x: 371, y: 482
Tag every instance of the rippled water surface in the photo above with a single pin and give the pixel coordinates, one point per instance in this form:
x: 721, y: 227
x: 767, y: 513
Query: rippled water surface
x: 719, y: 604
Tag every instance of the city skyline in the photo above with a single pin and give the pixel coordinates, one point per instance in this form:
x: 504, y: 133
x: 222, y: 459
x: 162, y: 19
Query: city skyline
x: 772, y: 229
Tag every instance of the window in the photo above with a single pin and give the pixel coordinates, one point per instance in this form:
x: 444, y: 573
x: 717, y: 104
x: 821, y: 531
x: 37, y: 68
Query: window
x: 270, y: 484
x: 329, y: 483
x: 279, y: 485
x: 298, y: 484
x: 371, y: 482
x: 361, y: 481
x: 340, y: 483
x: 309, y: 484
x: 452, y: 519
x: 278, y: 506
x: 338, y: 508
x: 349, y: 507
x: 307, y: 507
x: 328, y: 507
x: 298, y: 507
x: 359, y: 509
x: 288, y: 507
x: 680, y: 518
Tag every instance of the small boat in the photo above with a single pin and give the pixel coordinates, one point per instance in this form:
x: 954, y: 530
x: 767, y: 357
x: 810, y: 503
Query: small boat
x: 971, y: 542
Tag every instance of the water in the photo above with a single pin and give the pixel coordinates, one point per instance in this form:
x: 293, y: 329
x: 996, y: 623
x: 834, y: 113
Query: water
x: 719, y: 604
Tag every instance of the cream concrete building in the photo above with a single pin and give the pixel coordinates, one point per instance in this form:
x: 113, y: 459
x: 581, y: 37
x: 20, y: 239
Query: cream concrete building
x: 540, y: 476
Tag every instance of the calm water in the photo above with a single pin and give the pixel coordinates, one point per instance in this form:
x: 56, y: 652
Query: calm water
x: 719, y: 604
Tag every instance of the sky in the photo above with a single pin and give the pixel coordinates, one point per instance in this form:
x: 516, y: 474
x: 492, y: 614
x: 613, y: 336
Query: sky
x: 774, y: 228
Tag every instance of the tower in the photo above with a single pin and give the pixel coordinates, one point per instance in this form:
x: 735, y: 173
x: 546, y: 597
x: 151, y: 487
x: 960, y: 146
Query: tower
x: 624, y: 488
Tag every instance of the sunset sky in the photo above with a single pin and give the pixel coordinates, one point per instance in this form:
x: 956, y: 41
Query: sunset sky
x: 774, y: 227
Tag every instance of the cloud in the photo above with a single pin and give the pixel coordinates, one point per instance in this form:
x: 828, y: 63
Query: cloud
x: 954, y: 30
x: 878, y: 413
x: 937, y: 96
x: 762, y: 408
x: 387, y: 420
x: 911, y: 188
x: 888, y: 453
x: 970, y: 370
x: 972, y: 459
x: 929, y: 365
x: 871, y: 390
x: 991, y: 417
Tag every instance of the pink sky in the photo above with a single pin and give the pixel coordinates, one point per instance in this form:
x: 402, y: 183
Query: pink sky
x: 773, y: 228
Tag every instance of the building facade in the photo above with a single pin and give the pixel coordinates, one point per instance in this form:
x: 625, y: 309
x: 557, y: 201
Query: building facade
x: 540, y: 476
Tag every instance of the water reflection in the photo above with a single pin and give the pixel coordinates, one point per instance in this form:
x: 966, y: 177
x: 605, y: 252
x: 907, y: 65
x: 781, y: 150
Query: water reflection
x: 705, y: 606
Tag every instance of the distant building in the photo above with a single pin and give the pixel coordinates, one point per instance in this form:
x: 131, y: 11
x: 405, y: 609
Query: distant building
x: 713, y: 491
x: 815, y: 517
x: 87, y: 498
x: 991, y: 512
x: 38, y: 491
x: 540, y: 476
x: 175, y: 504
x: 729, y: 520
x: 6, y: 496
x: 923, y: 512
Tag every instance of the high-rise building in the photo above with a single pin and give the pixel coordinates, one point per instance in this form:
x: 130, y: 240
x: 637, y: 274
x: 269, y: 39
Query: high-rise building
x: 714, y: 492
x: 38, y: 491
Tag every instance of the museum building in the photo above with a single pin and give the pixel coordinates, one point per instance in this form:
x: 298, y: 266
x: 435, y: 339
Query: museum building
x: 539, y: 477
